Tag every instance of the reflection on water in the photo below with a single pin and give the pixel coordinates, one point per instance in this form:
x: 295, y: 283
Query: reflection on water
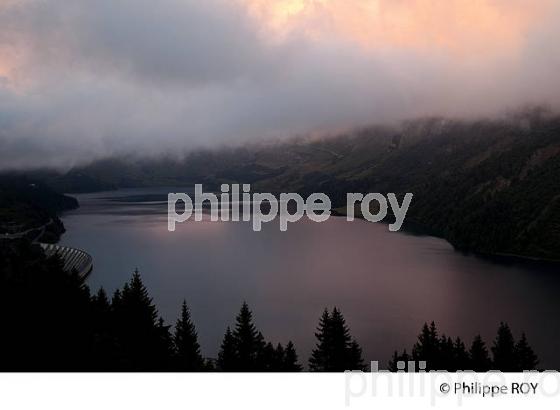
x: 387, y: 284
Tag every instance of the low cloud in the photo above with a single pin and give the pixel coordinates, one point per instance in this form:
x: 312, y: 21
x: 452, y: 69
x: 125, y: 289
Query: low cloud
x: 82, y: 79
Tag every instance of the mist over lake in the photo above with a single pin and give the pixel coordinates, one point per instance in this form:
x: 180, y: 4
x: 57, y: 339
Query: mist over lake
x: 386, y: 284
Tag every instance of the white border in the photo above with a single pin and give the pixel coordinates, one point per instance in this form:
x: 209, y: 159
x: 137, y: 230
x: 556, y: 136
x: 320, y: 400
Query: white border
x: 101, y: 391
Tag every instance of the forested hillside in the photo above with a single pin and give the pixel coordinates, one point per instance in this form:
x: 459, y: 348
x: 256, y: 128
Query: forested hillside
x: 491, y: 186
x: 26, y: 205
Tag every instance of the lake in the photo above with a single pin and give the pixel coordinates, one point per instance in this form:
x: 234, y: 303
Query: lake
x: 386, y: 284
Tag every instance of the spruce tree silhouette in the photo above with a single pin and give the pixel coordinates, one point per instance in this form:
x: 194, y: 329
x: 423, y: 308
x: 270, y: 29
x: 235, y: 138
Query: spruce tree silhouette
x: 355, y: 359
x: 271, y: 358
x: 508, y: 356
x: 249, y: 342
x: 340, y: 339
x: 335, y: 350
x: 144, y: 339
x: 461, y: 358
x: 37, y: 297
x: 227, y: 357
x: 427, y: 348
x: 101, y: 313
x: 321, y: 356
x: 103, y: 341
x: 503, y: 350
x: 445, y: 357
x: 165, y: 350
x: 279, y: 361
x: 478, y: 354
x: 526, y: 359
x: 291, y: 359
x: 116, y: 300
x: 185, y: 340
x: 101, y: 305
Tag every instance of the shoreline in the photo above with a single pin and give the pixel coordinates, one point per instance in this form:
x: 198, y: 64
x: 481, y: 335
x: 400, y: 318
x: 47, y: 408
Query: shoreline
x: 420, y: 230
x: 413, y: 228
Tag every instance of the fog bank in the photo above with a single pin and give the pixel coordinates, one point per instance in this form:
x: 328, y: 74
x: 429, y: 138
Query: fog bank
x: 82, y: 79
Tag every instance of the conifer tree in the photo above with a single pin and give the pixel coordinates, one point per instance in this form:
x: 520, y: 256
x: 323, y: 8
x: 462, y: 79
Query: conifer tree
x: 227, y: 357
x: 442, y: 353
x: 101, y: 312
x: 100, y: 301
x: 270, y: 358
x: 145, y: 341
x: 341, y: 340
x: 279, y: 358
x: 137, y: 302
x: 291, y: 359
x: 445, y: 356
x: 355, y: 359
x: 185, y: 340
x: 320, y: 360
x: 503, y: 350
x: 164, y: 350
x: 526, y: 359
x: 116, y: 300
x: 249, y: 342
x: 479, y: 358
x: 427, y: 348
x: 103, y: 342
x: 461, y: 357
x: 335, y: 350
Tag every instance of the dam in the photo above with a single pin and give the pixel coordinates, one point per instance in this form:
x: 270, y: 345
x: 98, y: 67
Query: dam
x: 73, y: 259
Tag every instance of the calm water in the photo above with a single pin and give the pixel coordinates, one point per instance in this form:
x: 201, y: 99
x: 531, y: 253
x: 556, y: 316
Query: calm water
x: 387, y: 284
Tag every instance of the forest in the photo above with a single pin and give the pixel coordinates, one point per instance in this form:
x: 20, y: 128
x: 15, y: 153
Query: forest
x: 51, y: 322
x: 488, y: 186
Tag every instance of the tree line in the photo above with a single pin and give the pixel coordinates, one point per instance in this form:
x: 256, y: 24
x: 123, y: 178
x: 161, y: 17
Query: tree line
x: 444, y: 353
x: 130, y: 336
x: 51, y: 322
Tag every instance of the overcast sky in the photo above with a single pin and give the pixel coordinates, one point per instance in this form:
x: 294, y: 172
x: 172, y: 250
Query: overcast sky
x: 82, y: 79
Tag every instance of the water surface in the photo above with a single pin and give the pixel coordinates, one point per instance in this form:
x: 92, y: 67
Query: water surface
x: 386, y: 284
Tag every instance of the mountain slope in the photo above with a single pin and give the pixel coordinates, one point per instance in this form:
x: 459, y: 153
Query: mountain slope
x: 487, y: 186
